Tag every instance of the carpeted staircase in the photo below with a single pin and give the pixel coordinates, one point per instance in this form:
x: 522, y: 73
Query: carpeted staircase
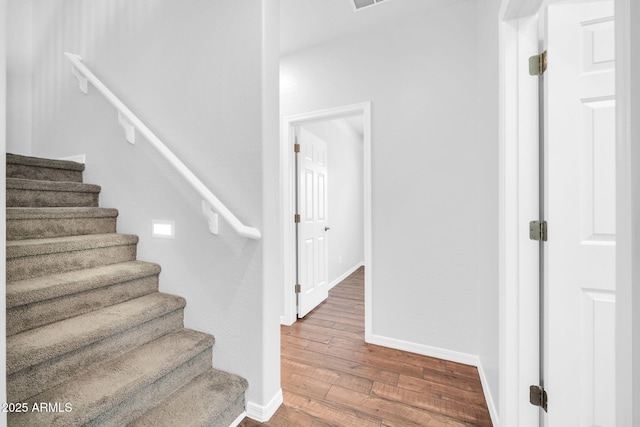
x: 90, y: 340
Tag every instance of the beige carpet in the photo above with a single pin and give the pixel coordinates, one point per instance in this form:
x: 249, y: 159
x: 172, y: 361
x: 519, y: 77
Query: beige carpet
x: 90, y: 339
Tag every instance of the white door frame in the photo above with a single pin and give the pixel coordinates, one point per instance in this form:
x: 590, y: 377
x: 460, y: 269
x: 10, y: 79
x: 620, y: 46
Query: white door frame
x: 287, y: 176
x: 627, y: 213
x: 518, y: 118
x: 519, y: 190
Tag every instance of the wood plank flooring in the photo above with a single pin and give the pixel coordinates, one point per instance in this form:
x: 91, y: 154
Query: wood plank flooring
x: 331, y: 377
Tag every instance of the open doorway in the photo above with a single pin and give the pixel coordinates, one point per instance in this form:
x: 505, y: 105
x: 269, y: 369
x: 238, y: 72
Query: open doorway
x: 330, y: 203
x: 346, y: 131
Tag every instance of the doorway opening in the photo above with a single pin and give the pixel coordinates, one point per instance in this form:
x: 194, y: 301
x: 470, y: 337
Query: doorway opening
x: 336, y: 126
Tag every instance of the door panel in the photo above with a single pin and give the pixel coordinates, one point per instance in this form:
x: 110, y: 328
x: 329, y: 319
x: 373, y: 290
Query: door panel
x: 598, y: 182
x: 580, y: 209
x: 312, y: 236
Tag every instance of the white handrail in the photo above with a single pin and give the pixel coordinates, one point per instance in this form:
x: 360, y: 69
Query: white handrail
x: 211, y: 205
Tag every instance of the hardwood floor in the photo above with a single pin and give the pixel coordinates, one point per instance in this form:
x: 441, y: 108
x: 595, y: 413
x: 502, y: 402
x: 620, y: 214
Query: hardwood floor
x: 331, y: 377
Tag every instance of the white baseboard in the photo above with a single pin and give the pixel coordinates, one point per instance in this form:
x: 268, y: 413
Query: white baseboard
x: 238, y: 420
x: 80, y: 158
x: 286, y: 322
x: 491, y: 404
x: 346, y: 274
x: 425, y: 350
x: 441, y: 353
x: 264, y: 413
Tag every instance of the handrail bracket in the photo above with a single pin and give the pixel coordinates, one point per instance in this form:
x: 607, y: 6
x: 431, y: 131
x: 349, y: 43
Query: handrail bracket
x: 212, y: 217
x: 83, y: 82
x: 129, y: 129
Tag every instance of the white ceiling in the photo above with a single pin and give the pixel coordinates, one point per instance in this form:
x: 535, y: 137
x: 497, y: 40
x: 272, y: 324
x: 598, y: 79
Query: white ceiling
x: 306, y: 23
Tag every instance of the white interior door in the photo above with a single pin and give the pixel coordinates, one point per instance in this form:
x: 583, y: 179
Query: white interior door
x: 580, y: 189
x: 312, y: 228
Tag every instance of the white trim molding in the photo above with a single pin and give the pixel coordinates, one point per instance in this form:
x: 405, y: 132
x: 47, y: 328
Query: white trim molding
x: 264, y: 413
x: 238, y: 420
x: 444, y: 354
x: 346, y: 274
x: 627, y: 37
x: 289, y: 315
x: 425, y: 350
x: 488, y: 397
x: 519, y: 192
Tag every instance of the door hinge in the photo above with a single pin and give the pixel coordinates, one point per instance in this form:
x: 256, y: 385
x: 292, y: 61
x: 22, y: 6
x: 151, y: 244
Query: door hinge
x: 538, y: 64
x: 538, y: 230
x: 538, y: 396
x: 298, y: 288
x: 296, y: 218
x: 296, y: 148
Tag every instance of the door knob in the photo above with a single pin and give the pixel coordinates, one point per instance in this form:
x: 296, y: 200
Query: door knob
x: 327, y: 228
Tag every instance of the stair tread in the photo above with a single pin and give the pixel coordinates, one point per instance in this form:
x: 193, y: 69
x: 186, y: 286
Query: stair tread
x: 28, y: 291
x: 25, y: 223
x: 62, y: 186
x: 198, y: 403
x: 32, y: 247
x: 111, y: 383
x: 34, y: 346
x: 17, y: 159
x: 17, y: 213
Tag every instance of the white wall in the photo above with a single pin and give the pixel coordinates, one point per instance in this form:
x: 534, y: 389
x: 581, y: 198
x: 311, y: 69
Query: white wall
x: 345, y: 195
x: 196, y: 73
x: 435, y: 170
x: 272, y: 213
x: 634, y: 137
x: 19, y: 94
x: 487, y: 193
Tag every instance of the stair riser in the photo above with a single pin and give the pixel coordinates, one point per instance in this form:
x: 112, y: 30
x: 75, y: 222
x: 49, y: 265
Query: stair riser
x: 36, y: 198
x: 147, y: 398
x: 36, y: 266
x: 42, y: 313
x: 33, y: 380
x: 233, y: 411
x: 43, y: 173
x: 215, y: 398
x: 47, y: 228
x: 128, y: 407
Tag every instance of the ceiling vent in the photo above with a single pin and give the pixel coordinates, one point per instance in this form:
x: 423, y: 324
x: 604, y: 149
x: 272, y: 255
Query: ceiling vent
x: 363, y: 4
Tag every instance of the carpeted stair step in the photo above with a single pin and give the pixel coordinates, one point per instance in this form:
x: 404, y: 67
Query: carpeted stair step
x: 213, y: 399
x: 42, y: 223
x: 42, y: 257
x: 31, y: 193
x: 39, y: 301
x: 118, y: 392
x: 26, y: 167
x: 44, y: 357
